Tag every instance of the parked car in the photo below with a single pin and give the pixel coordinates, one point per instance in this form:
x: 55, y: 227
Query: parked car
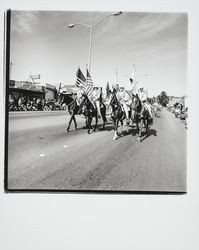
x: 177, y: 112
x: 183, y: 114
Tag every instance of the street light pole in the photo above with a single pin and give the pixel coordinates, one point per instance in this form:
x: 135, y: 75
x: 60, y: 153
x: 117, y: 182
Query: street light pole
x: 90, y: 48
x: 91, y: 33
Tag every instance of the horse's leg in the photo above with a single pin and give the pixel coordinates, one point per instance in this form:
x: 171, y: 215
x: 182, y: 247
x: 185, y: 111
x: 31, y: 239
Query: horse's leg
x: 75, y: 122
x: 137, y: 125
x: 103, y: 112
x: 127, y: 124
x: 96, y: 121
x: 104, y: 122
x: 86, y: 122
x: 139, y: 131
x: 121, y: 128
x: 141, y: 128
x: 71, y: 118
x: 115, y: 129
x: 147, y: 127
x: 144, y: 127
x: 89, y: 124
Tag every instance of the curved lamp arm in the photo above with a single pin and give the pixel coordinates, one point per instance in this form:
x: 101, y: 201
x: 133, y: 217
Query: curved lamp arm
x: 114, y: 14
x: 99, y: 21
x: 82, y: 24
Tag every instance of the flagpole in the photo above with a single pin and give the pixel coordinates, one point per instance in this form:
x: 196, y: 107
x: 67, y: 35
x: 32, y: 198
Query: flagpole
x: 116, y: 72
x: 134, y: 71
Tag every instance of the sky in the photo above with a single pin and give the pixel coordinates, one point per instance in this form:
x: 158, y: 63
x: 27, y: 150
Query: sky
x: 155, y: 43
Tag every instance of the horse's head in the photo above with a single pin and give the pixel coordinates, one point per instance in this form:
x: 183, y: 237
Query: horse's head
x: 113, y: 99
x: 86, y: 104
x: 137, y: 105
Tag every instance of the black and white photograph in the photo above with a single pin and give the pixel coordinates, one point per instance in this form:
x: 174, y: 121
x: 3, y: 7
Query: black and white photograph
x: 96, y: 101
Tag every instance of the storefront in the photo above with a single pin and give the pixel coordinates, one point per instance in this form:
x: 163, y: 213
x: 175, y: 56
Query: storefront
x: 26, y: 90
x: 50, y: 92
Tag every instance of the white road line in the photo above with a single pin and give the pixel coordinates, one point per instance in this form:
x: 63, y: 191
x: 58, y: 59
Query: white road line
x: 65, y: 146
x: 42, y: 155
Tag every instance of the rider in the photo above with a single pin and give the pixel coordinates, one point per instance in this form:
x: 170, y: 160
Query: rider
x: 95, y: 99
x: 124, y: 99
x: 143, y: 97
x: 80, y: 98
x: 80, y: 94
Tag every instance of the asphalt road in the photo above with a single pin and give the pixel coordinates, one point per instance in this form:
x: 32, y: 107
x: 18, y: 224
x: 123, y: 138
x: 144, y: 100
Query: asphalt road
x: 43, y: 156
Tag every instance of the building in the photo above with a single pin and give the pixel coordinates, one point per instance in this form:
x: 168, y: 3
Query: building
x: 68, y: 89
x: 26, y: 89
x: 50, y: 92
x: 30, y: 90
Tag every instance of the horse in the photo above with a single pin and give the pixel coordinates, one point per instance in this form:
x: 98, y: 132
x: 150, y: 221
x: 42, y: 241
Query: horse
x: 118, y: 115
x: 86, y: 108
x: 156, y: 109
x: 73, y: 108
x: 89, y: 111
x: 141, y: 117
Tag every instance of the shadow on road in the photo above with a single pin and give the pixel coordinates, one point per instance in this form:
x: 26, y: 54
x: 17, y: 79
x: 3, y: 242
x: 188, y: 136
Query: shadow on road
x: 133, y: 132
x: 108, y: 127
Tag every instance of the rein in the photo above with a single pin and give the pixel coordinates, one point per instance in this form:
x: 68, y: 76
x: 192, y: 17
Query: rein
x: 73, y: 100
x: 70, y: 102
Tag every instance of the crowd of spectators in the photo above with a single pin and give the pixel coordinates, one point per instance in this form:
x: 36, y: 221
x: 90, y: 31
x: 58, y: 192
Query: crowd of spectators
x: 180, y: 111
x: 34, y: 104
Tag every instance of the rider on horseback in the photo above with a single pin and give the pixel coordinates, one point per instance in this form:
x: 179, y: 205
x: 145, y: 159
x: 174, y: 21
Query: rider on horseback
x: 124, y: 99
x: 143, y: 97
x: 96, y: 99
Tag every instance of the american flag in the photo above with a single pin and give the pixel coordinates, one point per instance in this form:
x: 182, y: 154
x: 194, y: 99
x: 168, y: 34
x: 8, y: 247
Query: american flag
x: 81, y: 80
x: 89, y: 87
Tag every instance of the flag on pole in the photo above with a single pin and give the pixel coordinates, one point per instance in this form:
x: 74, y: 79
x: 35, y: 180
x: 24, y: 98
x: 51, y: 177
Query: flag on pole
x: 81, y: 80
x: 116, y: 87
x: 116, y: 73
x: 135, y: 88
x: 60, y: 87
x: 89, y: 82
x: 146, y: 91
x: 108, y: 91
x: 132, y: 78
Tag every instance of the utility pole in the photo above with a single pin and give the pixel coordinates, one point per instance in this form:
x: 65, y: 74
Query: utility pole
x: 11, y: 64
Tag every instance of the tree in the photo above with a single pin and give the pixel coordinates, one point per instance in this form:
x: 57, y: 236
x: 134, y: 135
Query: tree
x: 163, y: 99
